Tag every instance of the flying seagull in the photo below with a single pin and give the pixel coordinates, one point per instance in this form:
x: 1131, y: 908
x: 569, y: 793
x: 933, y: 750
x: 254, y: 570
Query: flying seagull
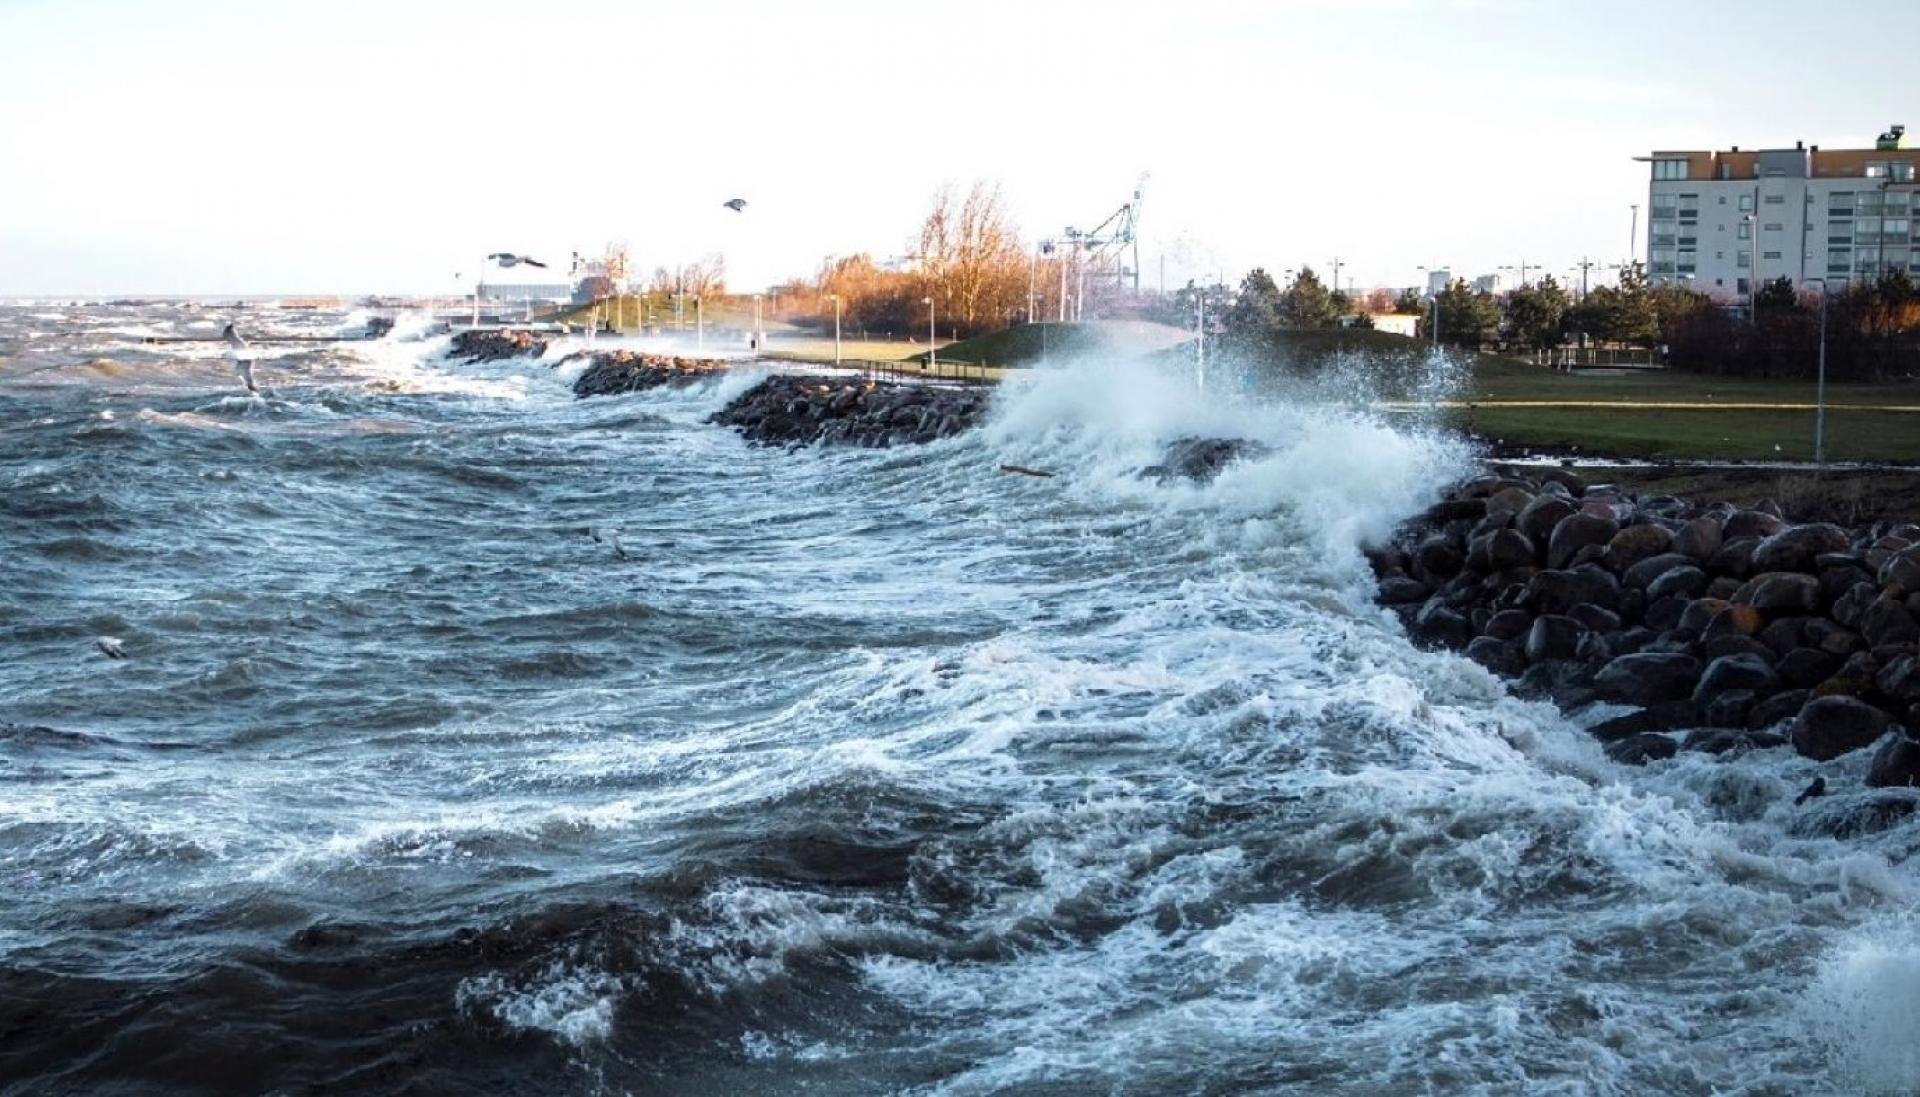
x: 110, y: 647
x: 509, y: 259
x: 735, y: 204
x: 235, y: 345
x: 611, y: 537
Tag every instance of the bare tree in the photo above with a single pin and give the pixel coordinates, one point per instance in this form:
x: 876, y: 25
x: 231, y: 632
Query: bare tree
x: 971, y: 258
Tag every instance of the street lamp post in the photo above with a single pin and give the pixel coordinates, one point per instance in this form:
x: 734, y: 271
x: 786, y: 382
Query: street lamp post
x: 836, y: 327
x: 1752, y: 221
x: 1820, y: 387
x: 759, y: 340
x: 699, y: 324
x: 1200, y: 339
x: 933, y: 356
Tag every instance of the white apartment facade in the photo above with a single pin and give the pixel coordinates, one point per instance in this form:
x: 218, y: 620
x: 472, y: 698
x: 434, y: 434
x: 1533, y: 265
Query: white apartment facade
x: 1725, y: 222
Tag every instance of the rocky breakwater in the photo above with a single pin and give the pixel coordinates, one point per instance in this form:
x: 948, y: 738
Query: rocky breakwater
x: 492, y: 345
x: 796, y: 410
x: 625, y: 371
x: 1726, y: 629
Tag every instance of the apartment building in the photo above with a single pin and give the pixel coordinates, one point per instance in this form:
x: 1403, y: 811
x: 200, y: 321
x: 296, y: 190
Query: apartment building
x: 1725, y: 222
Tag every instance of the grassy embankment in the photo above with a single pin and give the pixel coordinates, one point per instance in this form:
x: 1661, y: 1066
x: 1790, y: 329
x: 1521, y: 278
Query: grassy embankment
x: 1625, y: 413
x: 1689, y: 416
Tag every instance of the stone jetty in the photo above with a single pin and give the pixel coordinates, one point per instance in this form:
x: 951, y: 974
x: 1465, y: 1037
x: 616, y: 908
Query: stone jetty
x: 623, y: 371
x: 799, y: 410
x: 1725, y: 629
x: 494, y: 344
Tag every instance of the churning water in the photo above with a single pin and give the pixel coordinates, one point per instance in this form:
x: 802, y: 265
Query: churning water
x: 861, y: 772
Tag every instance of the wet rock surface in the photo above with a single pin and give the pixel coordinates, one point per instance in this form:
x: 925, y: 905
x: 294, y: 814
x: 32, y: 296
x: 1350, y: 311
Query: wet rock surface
x: 1726, y: 629
x: 495, y: 344
x: 797, y: 410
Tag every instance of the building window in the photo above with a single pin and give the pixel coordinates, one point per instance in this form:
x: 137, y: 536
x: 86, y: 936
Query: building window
x: 1669, y: 169
x: 1876, y: 169
x: 1772, y: 226
x: 1897, y: 201
x: 1840, y: 232
x: 1776, y: 199
x: 1746, y: 201
x: 1895, y: 227
x: 1769, y: 255
x: 1743, y: 260
x: 1869, y: 202
x: 1840, y: 204
x: 1900, y: 171
x: 1866, y: 259
x: 1746, y: 230
x: 1740, y: 286
x: 1839, y: 259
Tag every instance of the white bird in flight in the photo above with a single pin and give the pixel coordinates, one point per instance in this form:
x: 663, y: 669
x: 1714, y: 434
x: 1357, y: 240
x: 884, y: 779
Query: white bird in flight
x: 509, y: 259
x: 235, y: 345
x: 737, y: 205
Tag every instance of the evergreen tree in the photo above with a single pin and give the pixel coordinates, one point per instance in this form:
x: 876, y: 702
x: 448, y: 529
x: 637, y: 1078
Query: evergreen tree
x: 1255, y: 312
x: 1536, y: 313
x: 1307, y: 303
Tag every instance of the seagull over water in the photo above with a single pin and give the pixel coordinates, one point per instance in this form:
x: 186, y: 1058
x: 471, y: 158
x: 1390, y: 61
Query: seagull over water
x: 236, y: 344
x: 509, y: 259
x: 737, y: 205
x: 110, y: 647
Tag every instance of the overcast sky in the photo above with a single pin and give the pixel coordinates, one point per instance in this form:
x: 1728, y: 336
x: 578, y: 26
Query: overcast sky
x: 205, y: 147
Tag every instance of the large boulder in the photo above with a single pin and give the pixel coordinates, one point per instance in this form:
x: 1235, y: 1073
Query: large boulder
x: 1559, y: 591
x: 1509, y: 548
x: 1902, y: 570
x: 1887, y: 621
x: 1634, y: 544
x: 1554, y: 637
x: 1736, y: 672
x: 1699, y: 539
x: 1638, y: 750
x: 1797, y: 548
x: 1541, y: 516
x: 1575, y: 532
x: 1781, y: 592
x: 1751, y: 523
x: 1642, y: 575
x: 1502, y: 657
x: 1438, y: 625
x: 1834, y: 725
x: 1685, y: 581
x: 1897, y: 762
x: 1734, y: 558
x: 1647, y: 678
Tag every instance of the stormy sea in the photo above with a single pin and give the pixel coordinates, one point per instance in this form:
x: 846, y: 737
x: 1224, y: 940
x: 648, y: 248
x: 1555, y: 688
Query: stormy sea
x: 471, y: 738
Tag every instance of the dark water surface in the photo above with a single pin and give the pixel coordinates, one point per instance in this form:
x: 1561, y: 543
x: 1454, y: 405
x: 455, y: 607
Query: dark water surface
x: 862, y: 772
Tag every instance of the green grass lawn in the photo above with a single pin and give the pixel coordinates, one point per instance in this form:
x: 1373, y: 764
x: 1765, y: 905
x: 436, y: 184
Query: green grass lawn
x: 1701, y: 435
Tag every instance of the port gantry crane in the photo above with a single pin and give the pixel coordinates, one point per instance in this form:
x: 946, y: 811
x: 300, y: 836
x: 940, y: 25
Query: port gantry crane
x: 1103, y: 251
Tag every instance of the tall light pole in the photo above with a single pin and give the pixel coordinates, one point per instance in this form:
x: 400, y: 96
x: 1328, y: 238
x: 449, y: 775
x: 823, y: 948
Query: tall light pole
x: 1200, y: 338
x: 1820, y: 387
x: 1752, y: 221
x: 759, y: 338
x: 836, y: 327
x: 1633, y: 235
x: 1336, y: 274
x: 1033, y: 272
x: 932, y: 354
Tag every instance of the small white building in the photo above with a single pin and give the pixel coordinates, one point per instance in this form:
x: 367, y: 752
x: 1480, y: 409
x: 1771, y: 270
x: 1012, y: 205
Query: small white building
x: 1396, y: 323
x: 1725, y: 222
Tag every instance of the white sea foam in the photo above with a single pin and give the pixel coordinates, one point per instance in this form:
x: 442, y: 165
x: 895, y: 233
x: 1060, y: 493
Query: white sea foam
x: 574, y: 1004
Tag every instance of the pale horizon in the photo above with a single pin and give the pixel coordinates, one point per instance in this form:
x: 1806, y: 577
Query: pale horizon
x: 212, y: 149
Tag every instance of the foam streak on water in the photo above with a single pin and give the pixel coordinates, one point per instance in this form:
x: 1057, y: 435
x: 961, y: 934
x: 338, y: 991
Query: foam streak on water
x: 865, y: 771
